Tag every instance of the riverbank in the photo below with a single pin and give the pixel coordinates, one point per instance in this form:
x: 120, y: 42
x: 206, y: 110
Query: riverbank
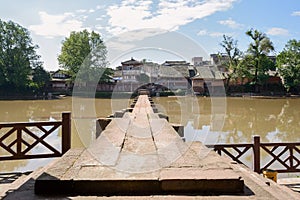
x: 263, y: 96
x: 30, y: 97
x: 112, y: 94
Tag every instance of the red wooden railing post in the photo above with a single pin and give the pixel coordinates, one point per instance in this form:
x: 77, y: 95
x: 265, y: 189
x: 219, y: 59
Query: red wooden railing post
x: 291, y: 157
x: 256, y: 153
x: 19, y: 141
x: 66, y: 132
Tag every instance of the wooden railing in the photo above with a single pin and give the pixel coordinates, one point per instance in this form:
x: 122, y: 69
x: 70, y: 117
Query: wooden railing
x: 15, y: 141
x: 287, y: 155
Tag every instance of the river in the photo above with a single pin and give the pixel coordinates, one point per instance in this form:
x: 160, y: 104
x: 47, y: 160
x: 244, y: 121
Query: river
x: 211, y: 121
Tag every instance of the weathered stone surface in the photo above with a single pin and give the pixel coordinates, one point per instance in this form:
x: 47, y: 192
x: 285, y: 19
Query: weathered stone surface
x: 139, y: 146
x: 57, y: 170
x: 138, y: 163
x: 140, y: 153
x: 107, y: 147
x: 189, y: 158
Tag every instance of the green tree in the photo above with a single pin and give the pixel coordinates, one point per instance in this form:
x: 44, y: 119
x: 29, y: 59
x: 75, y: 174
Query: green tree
x: 106, y: 75
x: 258, y: 50
x: 265, y: 64
x: 17, y: 56
x: 40, y: 77
x: 144, y: 78
x: 233, y: 55
x: 288, y: 62
x: 83, y: 55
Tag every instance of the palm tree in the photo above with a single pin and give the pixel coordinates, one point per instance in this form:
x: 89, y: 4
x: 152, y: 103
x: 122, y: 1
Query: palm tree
x: 258, y: 49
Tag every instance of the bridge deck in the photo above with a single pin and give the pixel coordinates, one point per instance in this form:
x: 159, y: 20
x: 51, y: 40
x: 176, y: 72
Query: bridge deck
x: 140, y: 154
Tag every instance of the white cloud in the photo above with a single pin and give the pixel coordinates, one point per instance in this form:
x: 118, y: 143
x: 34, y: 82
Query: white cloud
x: 170, y: 15
x: 202, y: 32
x: 100, y: 7
x: 81, y: 11
x: 217, y: 34
x: 102, y: 17
x: 99, y: 27
x: 84, y: 17
x: 56, y: 25
x: 296, y: 13
x: 121, y: 46
x: 231, y: 23
x: 278, y: 31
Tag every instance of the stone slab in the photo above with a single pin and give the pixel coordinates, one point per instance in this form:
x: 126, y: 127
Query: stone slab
x: 197, y: 180
x: 139, y: 154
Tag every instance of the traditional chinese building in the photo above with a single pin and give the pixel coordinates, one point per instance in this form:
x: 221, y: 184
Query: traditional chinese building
x: 208, y: 80
x: 60, y: 81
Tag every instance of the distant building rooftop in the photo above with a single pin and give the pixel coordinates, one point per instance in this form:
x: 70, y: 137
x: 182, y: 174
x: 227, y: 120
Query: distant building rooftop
x: 131, y: 62
x: 172, y: 63
x: 208, y: 73
x: 174, y: 71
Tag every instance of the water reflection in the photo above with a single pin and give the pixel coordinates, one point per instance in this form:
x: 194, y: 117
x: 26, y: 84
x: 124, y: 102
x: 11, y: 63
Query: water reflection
x: 275, y: 120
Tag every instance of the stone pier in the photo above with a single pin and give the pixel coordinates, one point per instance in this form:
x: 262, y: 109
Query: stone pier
x: 139, y: 153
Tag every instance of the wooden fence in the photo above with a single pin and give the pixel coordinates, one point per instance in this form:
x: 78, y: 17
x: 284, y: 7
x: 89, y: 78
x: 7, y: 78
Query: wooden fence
x: 287, y: 155
x: 15, y: 141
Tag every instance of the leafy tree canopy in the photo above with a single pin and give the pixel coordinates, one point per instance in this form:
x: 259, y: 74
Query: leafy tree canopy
x: 144, y: 78
x: 83, y: 55
x: 234, y: 54
x: 257, y: 51
x: 40, y: 77
x: 288, y: 62
x: 17, y: 56
x: 261, y: 44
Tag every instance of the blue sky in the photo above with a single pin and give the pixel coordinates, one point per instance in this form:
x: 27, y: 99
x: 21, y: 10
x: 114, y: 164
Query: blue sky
x: 204, y: 22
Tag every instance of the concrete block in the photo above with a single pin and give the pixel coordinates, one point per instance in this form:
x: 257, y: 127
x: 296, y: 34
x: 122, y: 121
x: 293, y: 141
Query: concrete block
x: 101, y: 124
x: 118, y: 114
x: 164, y: 116
x: 129, y: 110
x: 179, y: 129
x: 195, y: 180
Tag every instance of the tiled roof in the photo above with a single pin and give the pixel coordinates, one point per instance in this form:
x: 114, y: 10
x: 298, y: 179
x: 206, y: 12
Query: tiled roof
x: 204, y: 73
x: 218, y: 75
x: 131, y: 62
x: 209, y: 73
x: 173, y: 71
x: 175, y: 62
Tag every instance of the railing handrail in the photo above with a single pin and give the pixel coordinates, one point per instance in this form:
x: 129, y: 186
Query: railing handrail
x: 292, y: 165
x: 229, y: 145
x: 250, y: 144
x: 280, y: 143
x: 21, y: 128
x: 11, y: 124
